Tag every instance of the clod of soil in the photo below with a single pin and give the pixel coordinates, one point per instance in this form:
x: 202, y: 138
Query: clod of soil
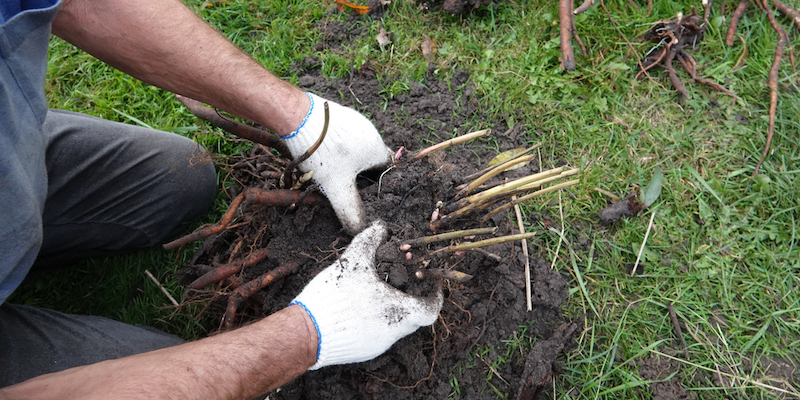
x: 477, y: 314
x: 627, y: 207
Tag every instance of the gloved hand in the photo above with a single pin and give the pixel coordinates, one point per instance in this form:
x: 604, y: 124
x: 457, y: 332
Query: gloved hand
x: 357, y: 315
x: 351, y: 145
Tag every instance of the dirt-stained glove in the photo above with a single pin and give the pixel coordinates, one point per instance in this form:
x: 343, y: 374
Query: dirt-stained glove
x: 351, y: 145
x: 357, y: 315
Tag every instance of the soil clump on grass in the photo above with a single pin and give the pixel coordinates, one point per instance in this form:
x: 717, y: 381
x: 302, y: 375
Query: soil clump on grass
x: 477, y: 315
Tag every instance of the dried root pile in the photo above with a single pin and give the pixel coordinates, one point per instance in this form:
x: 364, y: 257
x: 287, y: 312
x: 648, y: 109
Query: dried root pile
x: 673, y: 38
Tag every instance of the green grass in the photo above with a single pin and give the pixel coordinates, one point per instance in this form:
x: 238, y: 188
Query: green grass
x: 723, y: 248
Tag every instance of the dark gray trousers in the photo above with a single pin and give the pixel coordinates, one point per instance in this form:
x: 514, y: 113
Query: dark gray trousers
x: 112, y: 188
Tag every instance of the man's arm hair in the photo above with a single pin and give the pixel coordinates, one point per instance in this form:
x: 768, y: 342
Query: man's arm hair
x: 164, y: 43
x: 240, y: 364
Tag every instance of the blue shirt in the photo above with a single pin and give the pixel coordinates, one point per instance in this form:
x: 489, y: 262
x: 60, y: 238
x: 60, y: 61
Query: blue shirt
x: 24, y: 36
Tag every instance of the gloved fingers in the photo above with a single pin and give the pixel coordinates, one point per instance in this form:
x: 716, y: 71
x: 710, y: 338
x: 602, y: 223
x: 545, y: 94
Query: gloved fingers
x: 409, y: 311
x: 365, y: 244
x: 424, y: 310
x: 345, y: 200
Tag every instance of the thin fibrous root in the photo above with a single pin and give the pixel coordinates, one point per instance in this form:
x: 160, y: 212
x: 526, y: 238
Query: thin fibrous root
x: 527, y: 197
x: 447, y: 236
x: 225, y: 270
x: 249, y: 288
x: 448, y: 274
x: 270, y: 198
x: 483, y: 243
x: 673, y: 77
x: 239, y: 129
x: 286, y: 178
x: 689, y: 64
x: 453, y: 141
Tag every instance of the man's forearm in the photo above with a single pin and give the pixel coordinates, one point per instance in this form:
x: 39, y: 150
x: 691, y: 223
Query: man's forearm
x: 240, y: 364
x: 164, y: 43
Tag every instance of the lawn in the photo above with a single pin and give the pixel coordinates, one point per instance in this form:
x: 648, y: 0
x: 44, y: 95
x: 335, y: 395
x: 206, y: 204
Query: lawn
x: 720, y: 257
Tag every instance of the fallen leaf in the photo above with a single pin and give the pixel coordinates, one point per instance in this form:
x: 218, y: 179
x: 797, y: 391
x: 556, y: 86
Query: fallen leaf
x: 427, y: 48
x: 341, y: 4
x: 214, y: 3
x: 383, y: 38
x: 653, y: 189
x: 507, y: 155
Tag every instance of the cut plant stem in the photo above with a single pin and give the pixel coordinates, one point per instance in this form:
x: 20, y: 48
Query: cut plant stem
x: 484, y: 243
x: 449, y: 274
x: 449, y: 235
x: 487, y: 202
x: 505, y: 187
x: 491, y: 174
x: 521, y: 227
x: 487, y: 169
x: 528, y: 197
x: 455, y: 140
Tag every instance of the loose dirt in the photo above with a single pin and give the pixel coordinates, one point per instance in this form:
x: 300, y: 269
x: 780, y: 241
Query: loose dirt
x: 477, y: 315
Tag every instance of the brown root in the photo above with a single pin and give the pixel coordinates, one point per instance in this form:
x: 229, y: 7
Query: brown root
x: 731, y: 34
x: 225, y: 270
x: 241, y: 130
x: 772, y: 82
x: 566, y: 20
x: 271, y: 198
x: 249, y: 288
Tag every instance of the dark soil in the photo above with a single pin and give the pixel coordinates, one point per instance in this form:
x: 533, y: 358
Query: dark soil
x: 658, y: 370
x: 478, y: 314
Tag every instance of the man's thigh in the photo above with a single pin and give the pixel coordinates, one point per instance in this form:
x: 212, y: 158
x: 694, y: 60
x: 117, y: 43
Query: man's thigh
x: 112, y: 188
x: 116, y: 187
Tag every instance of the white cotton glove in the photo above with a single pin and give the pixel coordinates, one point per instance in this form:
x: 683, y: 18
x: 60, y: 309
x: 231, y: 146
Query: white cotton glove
x: 357, y: 315
x: 351, y: 145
